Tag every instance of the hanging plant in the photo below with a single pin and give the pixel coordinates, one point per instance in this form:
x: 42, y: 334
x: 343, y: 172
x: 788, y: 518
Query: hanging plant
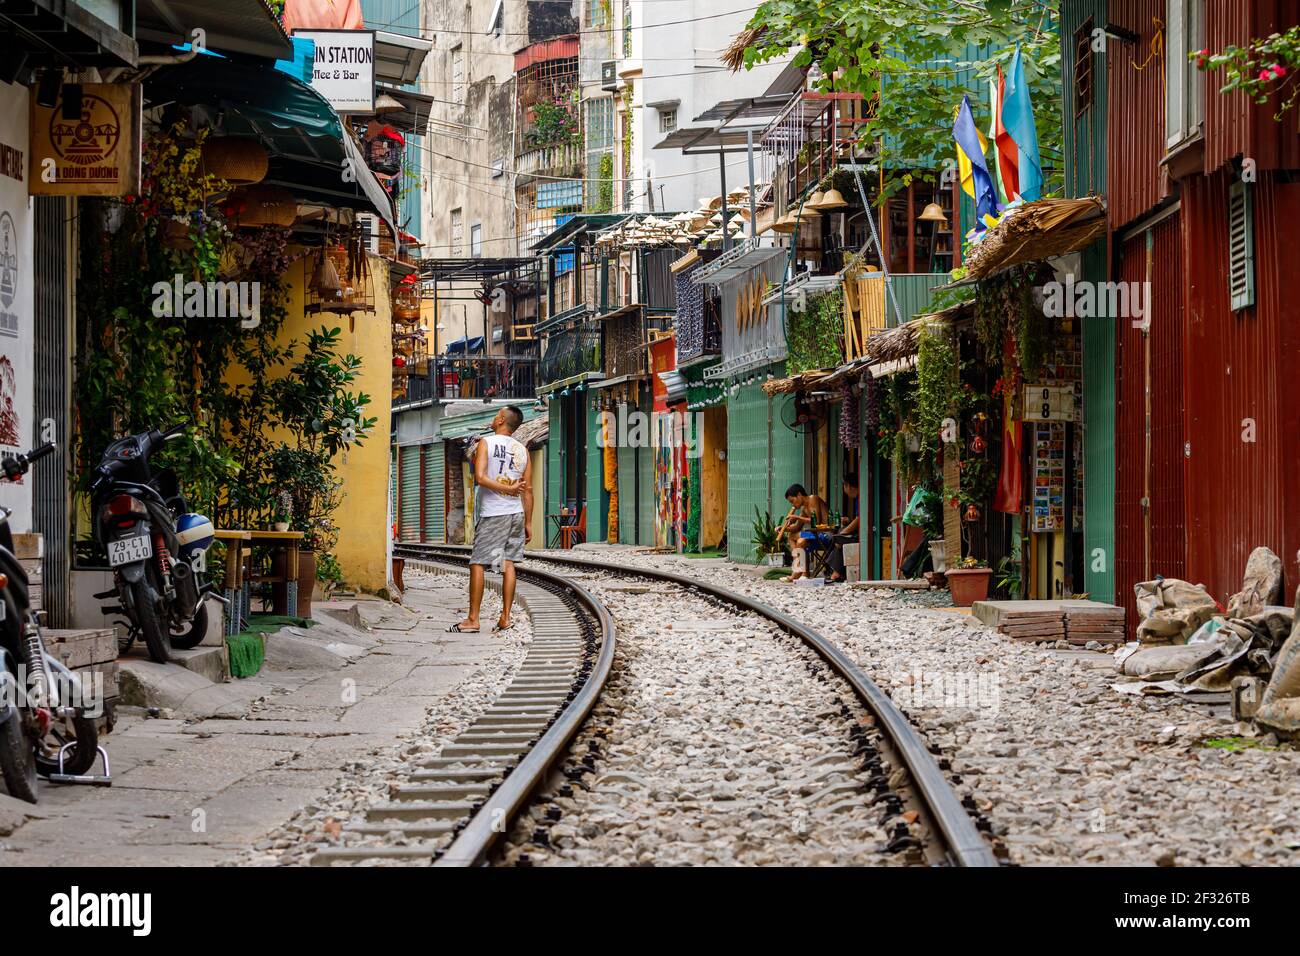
x: 938, y: 385
x: 850, y: 436
x: 815, y: 333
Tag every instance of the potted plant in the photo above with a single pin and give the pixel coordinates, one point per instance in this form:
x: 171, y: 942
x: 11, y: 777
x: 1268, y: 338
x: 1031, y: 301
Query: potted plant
x: 969, y: 582
x: 281, y: 510
x: 767, y: 542
x: 1009, y: 578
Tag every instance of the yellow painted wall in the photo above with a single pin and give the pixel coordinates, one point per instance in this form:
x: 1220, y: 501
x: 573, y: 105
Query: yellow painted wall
x: 362, y: 517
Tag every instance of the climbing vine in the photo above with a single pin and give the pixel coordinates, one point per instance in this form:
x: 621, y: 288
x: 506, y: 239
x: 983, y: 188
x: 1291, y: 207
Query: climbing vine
x: 815, y: 333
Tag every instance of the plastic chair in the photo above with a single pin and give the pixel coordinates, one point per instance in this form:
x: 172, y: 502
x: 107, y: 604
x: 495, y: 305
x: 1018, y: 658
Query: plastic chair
x: 577, y: 530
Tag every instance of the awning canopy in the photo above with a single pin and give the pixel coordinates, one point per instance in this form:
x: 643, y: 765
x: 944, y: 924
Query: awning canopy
x: 305, y: 138
x: 56, y: 33
x: 1036, y: 231
x: 413, y: 117
x: 462, y: 344
x: 231, y: 26
x: 563, y: 234
x: 398, y: 58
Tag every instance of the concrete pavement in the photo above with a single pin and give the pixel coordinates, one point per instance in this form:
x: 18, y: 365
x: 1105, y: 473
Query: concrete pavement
x: 229, y: 762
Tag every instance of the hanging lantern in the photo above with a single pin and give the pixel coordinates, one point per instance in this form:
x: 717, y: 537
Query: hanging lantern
x: 972, y: 513
x: 978, y: 445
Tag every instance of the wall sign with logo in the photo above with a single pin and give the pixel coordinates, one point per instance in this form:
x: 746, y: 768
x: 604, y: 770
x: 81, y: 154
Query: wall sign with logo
x: 344, y: 69
x: 95, y: 152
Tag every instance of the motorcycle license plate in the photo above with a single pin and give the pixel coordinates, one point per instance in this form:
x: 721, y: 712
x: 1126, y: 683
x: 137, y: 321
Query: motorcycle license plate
x: 129, y: 550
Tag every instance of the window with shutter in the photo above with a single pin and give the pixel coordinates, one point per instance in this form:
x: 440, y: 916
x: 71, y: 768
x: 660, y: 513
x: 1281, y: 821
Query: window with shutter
x: 1241, y: 246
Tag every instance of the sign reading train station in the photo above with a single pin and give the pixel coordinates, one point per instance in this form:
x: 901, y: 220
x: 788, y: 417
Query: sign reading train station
x: 88, y: 143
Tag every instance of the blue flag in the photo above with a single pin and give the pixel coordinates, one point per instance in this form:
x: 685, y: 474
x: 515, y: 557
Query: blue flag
x: 976, y: 181
x: 1018, y: 119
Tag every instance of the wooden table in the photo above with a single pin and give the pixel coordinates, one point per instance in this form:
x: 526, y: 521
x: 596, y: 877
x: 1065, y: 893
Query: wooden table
x: 289, y: 542
x: 232, y: 585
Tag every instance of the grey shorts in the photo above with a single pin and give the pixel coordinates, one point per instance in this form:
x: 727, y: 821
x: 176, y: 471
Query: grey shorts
x: 498, y: 538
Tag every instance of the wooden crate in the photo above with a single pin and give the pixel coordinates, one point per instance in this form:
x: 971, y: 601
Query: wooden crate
x: 29, y: 548
x: 88, y: 653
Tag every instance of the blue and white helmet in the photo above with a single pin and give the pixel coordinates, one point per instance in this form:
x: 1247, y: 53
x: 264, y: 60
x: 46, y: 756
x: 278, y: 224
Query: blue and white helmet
x: 194, y: 533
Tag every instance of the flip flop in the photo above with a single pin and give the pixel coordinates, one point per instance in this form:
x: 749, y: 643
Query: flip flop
x: 497, y: 628
x: 457, y: 629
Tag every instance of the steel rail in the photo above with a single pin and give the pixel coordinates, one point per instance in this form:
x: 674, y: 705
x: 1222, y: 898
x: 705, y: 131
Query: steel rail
x: 965, y: 844
x: 473, y: 843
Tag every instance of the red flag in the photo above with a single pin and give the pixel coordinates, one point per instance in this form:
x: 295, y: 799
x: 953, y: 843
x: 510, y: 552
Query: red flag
x: 1008, y: 153
x: 1010, y: 490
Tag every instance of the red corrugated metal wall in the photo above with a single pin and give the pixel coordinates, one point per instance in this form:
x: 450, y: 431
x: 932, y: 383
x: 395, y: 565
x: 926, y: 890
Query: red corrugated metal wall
x: 1135, y: 134
x: 1234, y: 126
x: 1241, y: 370
x: 1166, y: 540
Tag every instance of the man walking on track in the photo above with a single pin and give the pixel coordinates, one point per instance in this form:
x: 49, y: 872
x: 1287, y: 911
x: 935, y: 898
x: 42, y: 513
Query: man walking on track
x: 504, y: 475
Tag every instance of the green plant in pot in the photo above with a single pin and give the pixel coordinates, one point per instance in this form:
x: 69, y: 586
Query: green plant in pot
x: 766, y: 540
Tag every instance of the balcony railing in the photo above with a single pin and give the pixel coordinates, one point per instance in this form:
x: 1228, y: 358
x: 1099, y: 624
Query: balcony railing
x: 569, y: 353
x: 564, y: 160
x: 485, y: 377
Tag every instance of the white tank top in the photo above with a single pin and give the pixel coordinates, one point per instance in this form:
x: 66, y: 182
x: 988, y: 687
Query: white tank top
x: 506, y: 460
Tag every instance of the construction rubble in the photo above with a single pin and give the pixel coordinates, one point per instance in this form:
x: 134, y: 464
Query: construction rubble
x: 1189, y: 643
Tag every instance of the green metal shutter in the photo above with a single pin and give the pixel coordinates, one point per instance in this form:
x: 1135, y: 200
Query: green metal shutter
x: 748, y: 464
x: 1098, y: 440
x: 597, y: 496
x: 627, y: 495
x: 409, y: 522
x: 435, y: 493
x: 648, y: 500
x: 1241, y: 246
x: 554, y: 467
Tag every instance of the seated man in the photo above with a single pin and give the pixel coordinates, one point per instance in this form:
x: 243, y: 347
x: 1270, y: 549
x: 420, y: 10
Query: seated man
x: 847, y: 534
x: 806, y: 513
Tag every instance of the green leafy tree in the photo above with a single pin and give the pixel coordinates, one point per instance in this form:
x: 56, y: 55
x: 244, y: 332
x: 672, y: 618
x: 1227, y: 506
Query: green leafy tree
x: 910, y: 59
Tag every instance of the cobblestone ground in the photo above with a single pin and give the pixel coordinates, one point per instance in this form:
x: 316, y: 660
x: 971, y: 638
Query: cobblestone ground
x: 1068, y: 770
x: 714, y: 742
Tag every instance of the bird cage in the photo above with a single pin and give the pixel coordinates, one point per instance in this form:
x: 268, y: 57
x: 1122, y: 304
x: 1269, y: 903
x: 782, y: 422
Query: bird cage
x: 341, y: 281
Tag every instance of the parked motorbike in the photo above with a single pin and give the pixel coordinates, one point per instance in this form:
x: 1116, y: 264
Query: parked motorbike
x: 156, y: 546
x: 44, y: 726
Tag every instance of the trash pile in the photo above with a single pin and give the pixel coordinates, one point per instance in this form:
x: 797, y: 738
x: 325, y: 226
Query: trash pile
x: 1188, y: 643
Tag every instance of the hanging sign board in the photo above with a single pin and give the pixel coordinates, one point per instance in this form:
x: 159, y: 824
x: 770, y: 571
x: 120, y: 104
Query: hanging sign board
x: 1049, y: 403
x: 93, y: 151
x: 344, y: 69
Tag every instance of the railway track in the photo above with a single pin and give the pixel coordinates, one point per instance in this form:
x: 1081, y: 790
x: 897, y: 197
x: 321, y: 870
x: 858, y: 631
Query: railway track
x: 478, y: 787
x: 480, y: 780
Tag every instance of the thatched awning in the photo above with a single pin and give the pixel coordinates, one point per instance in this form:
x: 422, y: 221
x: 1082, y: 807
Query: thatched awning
x: 1036, y: 231
x: 802, y: 382
x: 733, y: 57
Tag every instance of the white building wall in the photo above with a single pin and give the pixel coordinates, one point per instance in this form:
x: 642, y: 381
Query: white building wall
x: 676, y: 46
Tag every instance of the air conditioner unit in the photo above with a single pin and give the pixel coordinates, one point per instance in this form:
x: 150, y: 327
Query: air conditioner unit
x: 370, y: 231
x: 609, y: 76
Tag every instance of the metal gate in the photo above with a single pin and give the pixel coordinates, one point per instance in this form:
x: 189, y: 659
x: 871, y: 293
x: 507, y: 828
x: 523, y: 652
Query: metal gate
x: 50, y: 494
x: 1150, y: 499
x: 435, y: 492
x: 408, y: 476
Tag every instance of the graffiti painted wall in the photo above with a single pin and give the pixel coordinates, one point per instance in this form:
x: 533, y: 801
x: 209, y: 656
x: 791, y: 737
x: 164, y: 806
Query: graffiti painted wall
x: 16, y: 297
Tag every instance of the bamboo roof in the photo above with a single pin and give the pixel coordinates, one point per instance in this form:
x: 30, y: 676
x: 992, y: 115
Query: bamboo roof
x: 1036, y: 231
